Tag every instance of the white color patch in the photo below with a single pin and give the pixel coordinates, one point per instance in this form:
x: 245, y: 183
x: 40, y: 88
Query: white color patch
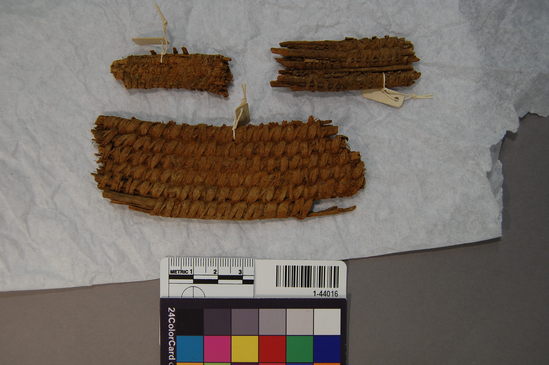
x: 327, y: 321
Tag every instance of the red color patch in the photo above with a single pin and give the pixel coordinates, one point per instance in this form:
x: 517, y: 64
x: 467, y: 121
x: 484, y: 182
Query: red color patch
x: 272, y: 348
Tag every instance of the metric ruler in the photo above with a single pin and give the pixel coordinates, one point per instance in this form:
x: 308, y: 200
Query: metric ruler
x: 222, y: 277
x: 195, y: 277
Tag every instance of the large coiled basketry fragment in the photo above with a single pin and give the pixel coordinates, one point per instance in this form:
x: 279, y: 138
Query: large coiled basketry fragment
x: 350, y: 64
x: 274, y: 170
x: 181, y: 71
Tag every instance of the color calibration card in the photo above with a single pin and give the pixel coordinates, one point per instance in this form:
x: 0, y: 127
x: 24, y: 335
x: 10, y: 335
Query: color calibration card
x: 199, y: 326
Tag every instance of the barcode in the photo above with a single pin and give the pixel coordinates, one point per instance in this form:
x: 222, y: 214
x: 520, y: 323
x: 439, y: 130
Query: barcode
x: 307, y: 276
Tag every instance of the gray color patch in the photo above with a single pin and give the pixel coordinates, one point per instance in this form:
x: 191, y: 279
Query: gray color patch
x: 245, y: 321
x: 272, y: 321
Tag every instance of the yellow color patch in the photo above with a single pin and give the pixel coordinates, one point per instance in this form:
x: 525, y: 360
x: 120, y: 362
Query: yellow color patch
x: 244, y: 348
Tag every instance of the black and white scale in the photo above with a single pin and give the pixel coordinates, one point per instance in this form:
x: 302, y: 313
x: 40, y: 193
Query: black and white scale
x: 224, y: 277
x: 195, y: 277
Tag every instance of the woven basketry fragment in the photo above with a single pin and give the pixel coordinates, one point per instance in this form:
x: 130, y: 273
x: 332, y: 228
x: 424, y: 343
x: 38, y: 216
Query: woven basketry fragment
x: 350, y: 64
x: 274, y: 170
x: 180, y: 71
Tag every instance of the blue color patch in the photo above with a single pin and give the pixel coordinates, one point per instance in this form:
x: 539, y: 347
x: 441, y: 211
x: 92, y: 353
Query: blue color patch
x: 189, y: 349
x: 327, y: 349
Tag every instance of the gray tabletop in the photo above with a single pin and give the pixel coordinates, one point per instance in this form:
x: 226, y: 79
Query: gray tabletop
x: 482, y: 303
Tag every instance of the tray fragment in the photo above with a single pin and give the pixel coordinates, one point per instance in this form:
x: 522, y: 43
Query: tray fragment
x: 274, y: 170
x: 350, y: 64
x: 200, y: 72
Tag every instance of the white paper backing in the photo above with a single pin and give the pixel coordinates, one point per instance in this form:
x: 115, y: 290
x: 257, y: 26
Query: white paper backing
x: 431, y: 178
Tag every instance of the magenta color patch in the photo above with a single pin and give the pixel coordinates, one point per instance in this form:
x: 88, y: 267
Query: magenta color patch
x: 217, y: 348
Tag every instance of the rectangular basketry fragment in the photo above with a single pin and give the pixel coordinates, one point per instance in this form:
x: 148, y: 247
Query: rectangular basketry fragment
x: 180, y: 71
x: 273, y: 170
x: 350, y: 64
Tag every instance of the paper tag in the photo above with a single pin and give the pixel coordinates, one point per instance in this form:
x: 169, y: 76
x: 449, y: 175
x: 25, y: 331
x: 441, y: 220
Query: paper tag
x: 150, y: 41
x: 218, y: 277
x: 381, y: 96
x: 157, y: 40
x: 242, y: 112
x: 390, y: 97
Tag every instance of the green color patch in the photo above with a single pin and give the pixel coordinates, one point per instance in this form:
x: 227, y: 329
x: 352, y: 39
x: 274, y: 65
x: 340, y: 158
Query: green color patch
x: 299, y: 349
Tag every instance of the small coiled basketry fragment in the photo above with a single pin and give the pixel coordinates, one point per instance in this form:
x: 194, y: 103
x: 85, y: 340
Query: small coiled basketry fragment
x: 350, y: 64
x: 181, y: 71
x: 274, y: 170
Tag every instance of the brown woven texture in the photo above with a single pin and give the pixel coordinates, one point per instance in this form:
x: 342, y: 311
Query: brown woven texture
x: 180, y: 71
x: 274, y: 170
x: 350, y: 64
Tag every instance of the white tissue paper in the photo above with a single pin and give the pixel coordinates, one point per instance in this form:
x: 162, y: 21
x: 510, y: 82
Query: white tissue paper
x: 432, y: 179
